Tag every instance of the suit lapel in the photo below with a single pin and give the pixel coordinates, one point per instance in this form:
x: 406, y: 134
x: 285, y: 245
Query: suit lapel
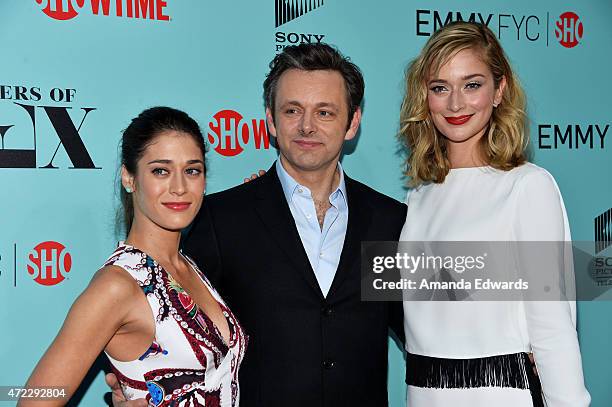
x: 358, y: 221
x: 271, y: 206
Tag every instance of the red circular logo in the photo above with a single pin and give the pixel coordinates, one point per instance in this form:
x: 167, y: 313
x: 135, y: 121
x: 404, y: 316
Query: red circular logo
x: 569, y: 29
x: 229, y: 133
x: 49, y: 261
x: 61, y: 9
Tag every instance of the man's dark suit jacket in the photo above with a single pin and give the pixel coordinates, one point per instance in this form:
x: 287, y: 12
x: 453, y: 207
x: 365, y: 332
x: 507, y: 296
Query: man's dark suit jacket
x: 304, y: 349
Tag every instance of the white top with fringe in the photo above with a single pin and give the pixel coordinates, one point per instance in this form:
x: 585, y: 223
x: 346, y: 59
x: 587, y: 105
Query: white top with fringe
x: 485, y: 204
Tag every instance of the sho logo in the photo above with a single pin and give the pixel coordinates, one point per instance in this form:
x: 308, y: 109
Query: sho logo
x: 287, y: 10
x: 569, y: 29
x: 603, y: 231
x: 229, y: 133
x: 61, y: 9
x: 143, y: 9
x: 48, y: 262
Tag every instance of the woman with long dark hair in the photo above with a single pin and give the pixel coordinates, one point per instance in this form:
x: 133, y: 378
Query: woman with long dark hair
x: 168, y: 334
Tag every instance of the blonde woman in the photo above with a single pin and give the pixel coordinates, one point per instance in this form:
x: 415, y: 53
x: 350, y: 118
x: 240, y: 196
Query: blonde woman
x: 463, y: 121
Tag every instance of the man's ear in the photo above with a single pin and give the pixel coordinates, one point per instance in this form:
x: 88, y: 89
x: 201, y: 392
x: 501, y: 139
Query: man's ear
x: 354, y: 126
x: 270, y: 122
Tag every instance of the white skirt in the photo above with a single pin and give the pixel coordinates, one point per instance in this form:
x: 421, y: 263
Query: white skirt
x: 477, y: 397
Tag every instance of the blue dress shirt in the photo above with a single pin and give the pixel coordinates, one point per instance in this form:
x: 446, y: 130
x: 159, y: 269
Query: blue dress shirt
x: 323, y: 245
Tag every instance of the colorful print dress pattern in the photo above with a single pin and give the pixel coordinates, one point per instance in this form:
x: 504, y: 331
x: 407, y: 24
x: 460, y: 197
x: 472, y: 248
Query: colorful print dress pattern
x: 188, y: 363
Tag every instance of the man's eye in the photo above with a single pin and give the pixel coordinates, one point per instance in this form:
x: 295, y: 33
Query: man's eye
x: 325, y: 113
x: 159, y: 171
x: 291, y: 111
x: 193, y: 171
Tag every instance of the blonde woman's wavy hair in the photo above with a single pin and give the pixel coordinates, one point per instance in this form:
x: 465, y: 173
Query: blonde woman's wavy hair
x: 503, y: 147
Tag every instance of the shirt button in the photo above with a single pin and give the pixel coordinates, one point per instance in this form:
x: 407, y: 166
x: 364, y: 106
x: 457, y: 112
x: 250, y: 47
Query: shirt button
x: 300, y: 190
x: 321, y: 254
x: 308, y: 216
x: 328, y: 364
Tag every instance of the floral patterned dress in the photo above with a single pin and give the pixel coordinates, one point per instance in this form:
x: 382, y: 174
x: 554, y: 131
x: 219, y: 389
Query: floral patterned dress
x: 188, y: 363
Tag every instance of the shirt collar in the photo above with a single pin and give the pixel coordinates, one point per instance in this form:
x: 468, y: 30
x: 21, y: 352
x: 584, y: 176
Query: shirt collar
x: 290, y: 185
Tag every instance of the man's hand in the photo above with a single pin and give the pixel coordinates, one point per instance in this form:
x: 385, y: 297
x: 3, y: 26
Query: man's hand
x: 254, y: 176
x: 119, y: 399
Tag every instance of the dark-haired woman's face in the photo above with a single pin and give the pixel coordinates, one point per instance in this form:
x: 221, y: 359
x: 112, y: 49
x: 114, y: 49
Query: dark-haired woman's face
x: 169, y: 183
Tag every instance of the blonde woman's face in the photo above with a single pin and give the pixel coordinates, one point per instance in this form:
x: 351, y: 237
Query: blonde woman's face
x: 461, y: 98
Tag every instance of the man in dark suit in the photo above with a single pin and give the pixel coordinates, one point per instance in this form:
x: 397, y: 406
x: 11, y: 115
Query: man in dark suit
x: 284, y: 249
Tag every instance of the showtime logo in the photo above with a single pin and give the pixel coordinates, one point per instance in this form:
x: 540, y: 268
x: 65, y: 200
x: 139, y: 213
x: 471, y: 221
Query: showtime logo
x: 229, y: 134
x: 49, y: 261
x: 68, y: 9
x: 569, y: 29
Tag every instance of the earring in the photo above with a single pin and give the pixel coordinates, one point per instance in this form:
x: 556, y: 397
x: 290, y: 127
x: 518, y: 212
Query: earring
x: 495, y: 104
x: 128, y: 190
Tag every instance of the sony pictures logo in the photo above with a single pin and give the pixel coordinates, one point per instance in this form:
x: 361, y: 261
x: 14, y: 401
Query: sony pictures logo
x: 601, y: 270
x: 603, y: 231
x: 69, y: 9
x: 289, y: 10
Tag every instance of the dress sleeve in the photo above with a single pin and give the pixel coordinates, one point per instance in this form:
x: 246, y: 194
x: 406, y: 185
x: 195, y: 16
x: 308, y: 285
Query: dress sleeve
x: 408, y: 196
x: 551, y: 325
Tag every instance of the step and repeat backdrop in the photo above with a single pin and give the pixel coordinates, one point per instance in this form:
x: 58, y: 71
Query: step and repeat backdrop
x: 74, y: 72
